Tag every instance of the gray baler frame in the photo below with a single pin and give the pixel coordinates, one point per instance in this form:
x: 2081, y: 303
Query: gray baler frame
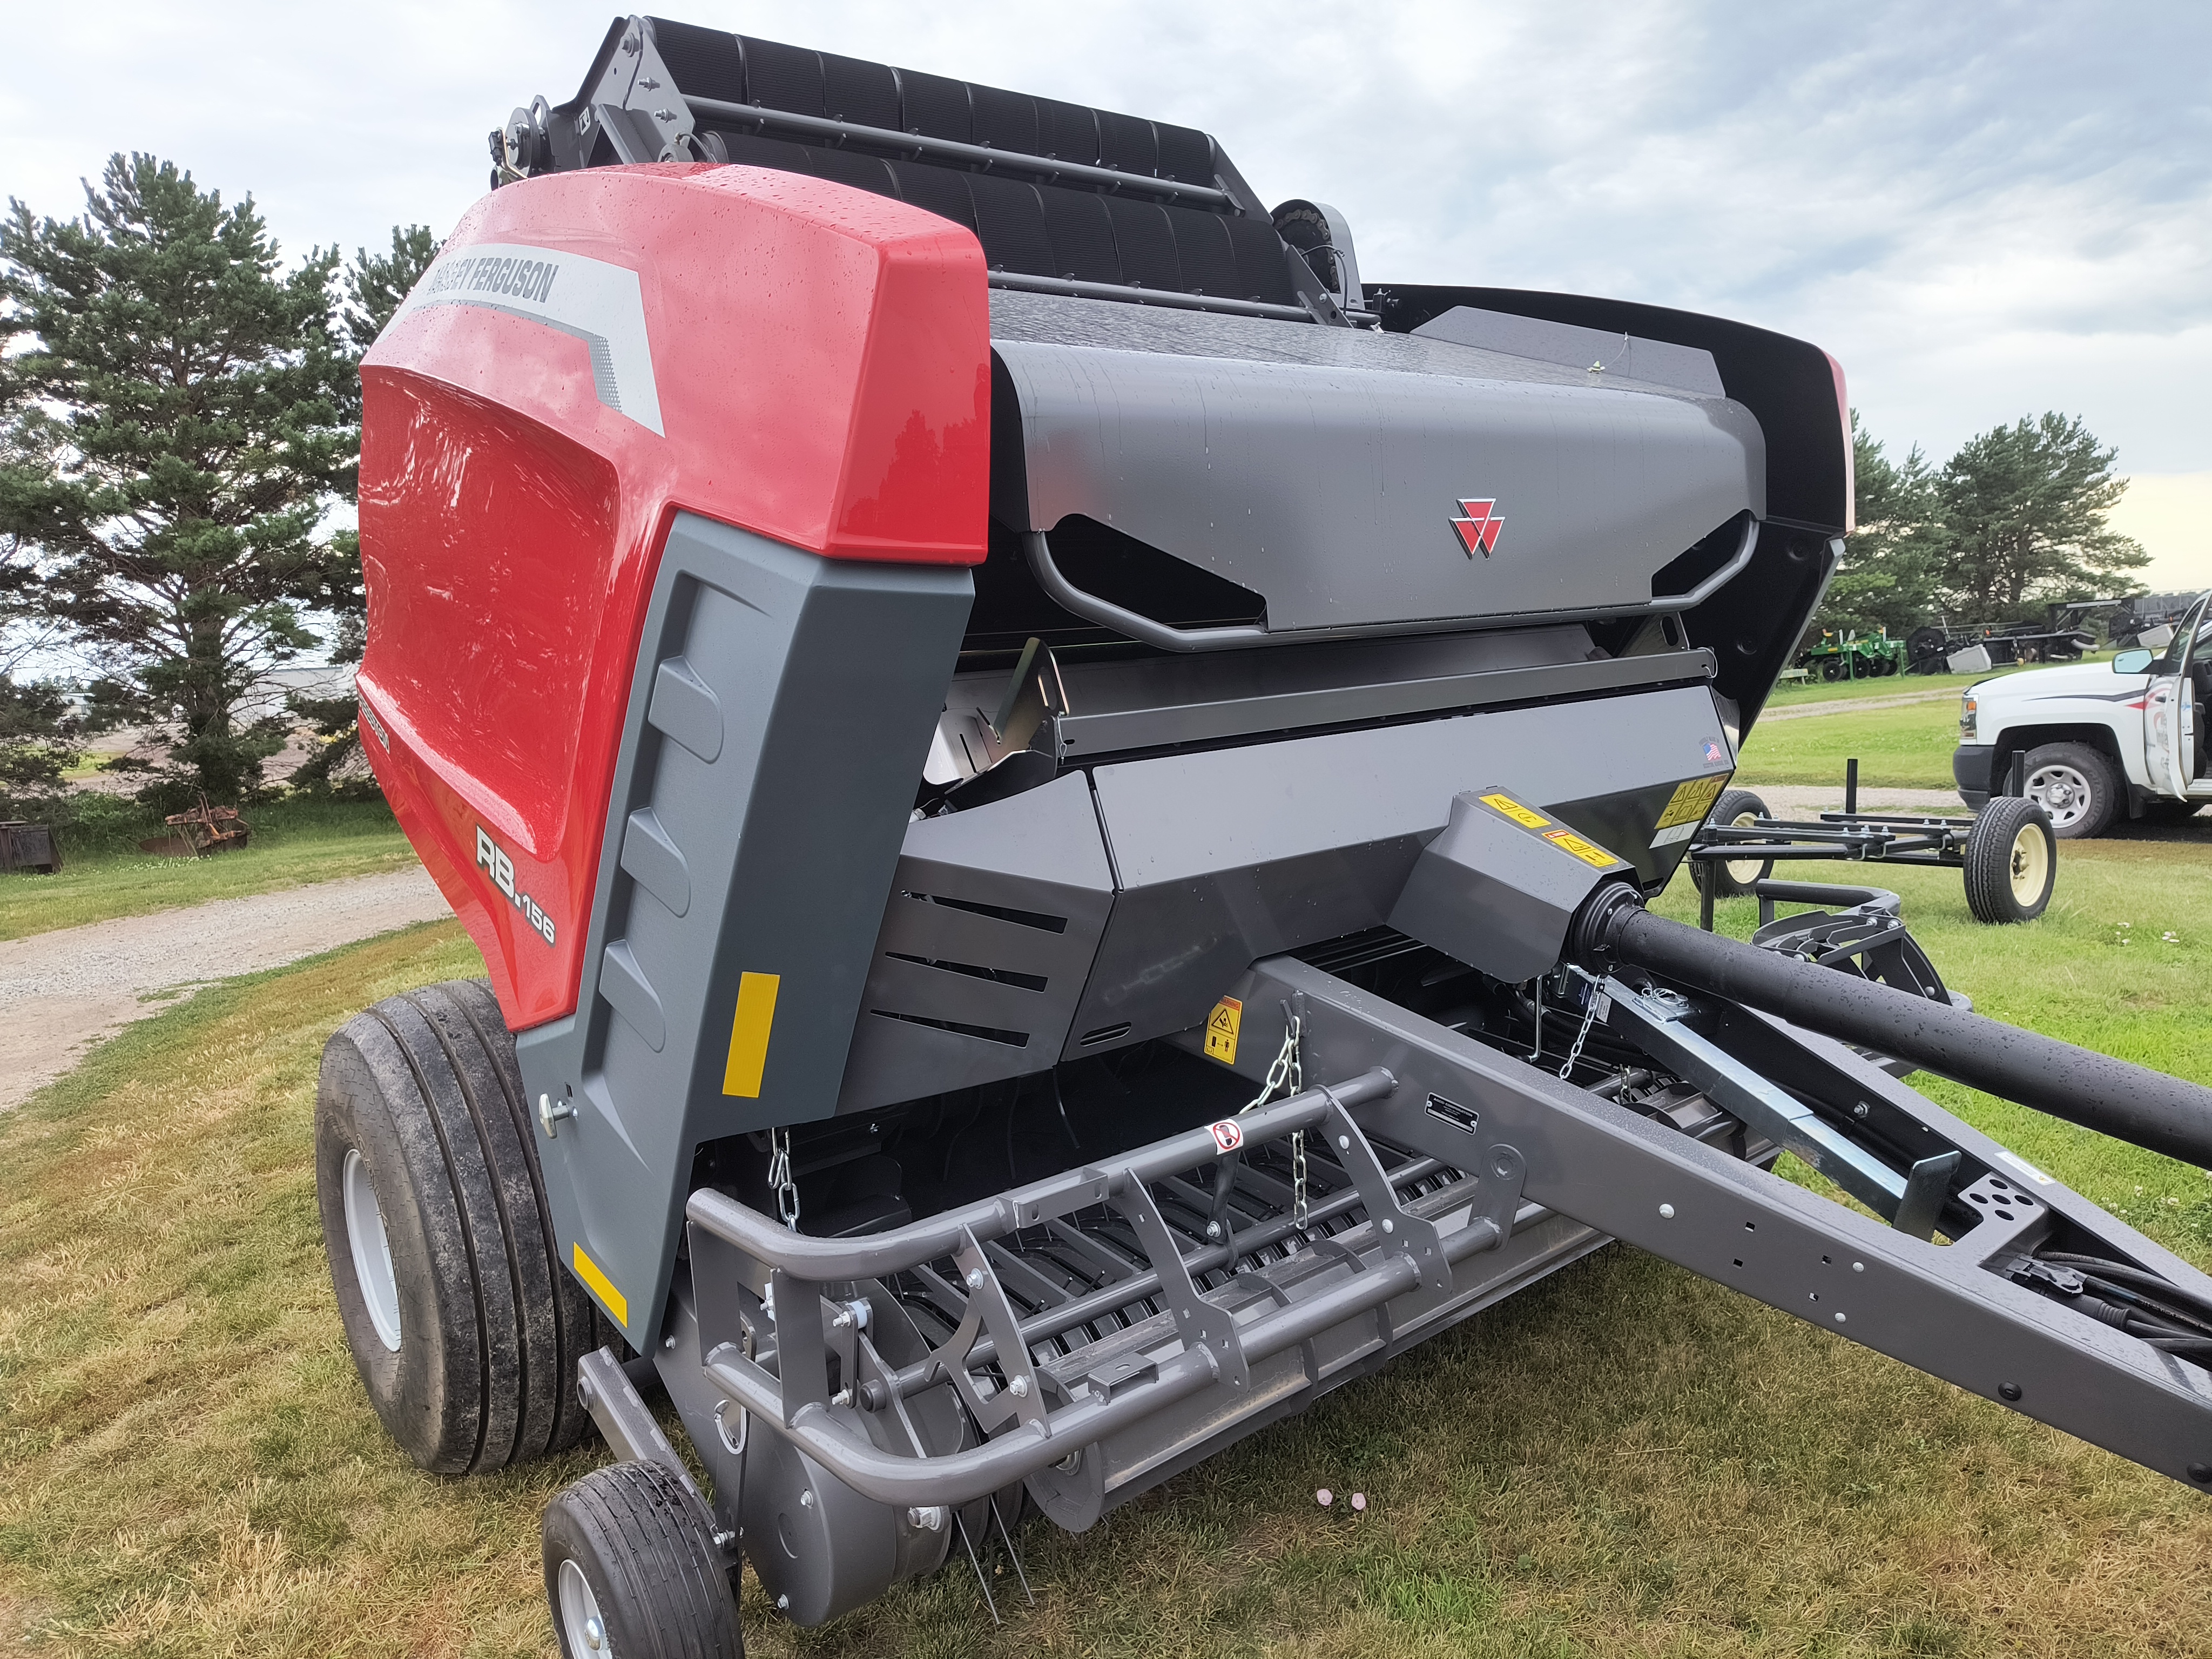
x: 1449, y: 1174
x: 1260, y: 677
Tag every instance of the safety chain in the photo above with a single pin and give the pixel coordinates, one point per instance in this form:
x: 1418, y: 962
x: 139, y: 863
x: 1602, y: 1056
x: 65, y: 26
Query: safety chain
x: 780, y: 1177
x: 1288, y: 1074
x: 1589, y: 1019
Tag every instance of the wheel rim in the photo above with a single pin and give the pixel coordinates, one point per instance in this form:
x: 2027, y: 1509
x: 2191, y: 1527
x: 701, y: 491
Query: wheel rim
x: 2063, y: 793
x: 371, y: 1251
x: 2030, y: 863
x: 580, y: 1623
x: 1744, y: 871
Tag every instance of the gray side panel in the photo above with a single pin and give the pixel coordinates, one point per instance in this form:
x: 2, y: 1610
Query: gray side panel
x: 1233, y: 854
x: 779, y: 714
x: 1623, y: 356
x: 1330, y: 491
x: 1039, y: 860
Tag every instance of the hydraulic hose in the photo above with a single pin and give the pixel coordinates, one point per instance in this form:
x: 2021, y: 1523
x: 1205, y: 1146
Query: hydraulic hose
x: 2130, y: 1103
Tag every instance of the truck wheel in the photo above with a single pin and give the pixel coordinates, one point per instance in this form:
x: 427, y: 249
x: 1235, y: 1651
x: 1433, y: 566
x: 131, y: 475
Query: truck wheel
x: 631, y: 1569
x: 2075, y: 786
x: 1731, y: 879
x: 2012, y: 861
x: 465, y: 1328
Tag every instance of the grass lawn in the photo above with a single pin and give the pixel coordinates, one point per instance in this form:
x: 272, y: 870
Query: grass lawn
x: 1796, y: 694
x: 1626, y: 1460
x: 1907, y: 747
x: 294, y: 842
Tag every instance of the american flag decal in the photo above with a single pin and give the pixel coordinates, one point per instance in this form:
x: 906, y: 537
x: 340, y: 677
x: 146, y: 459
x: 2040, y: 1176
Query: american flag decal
x: 1478, y: 530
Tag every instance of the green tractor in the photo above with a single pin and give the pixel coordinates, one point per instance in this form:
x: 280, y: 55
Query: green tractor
x: 1850, y: 655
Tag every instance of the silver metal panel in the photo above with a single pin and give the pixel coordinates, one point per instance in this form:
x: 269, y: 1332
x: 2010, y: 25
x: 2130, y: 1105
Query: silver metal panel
x: 1039, y: 860
x: 914, y: 987
x: 1595, y: 351
x: 1229, y: 855
x: 1330, y: 490
x: 1111, y: 732
x: 1178, y: 816
x: 938, y: 933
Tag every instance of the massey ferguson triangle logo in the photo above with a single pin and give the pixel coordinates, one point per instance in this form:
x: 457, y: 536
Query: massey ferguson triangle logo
x: 1478, y: 531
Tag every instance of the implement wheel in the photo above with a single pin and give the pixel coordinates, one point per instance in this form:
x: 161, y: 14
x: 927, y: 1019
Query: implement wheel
x: 465, y: 1328
x: 1732, y: 878
x: 632, y: 1572
x: 2012, y: 861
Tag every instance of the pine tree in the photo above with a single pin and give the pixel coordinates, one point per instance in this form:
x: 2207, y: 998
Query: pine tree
x: 1892, y: 568
x: 192, y: 428
x: 38, y: 727
x: 2024, y: 511
x: 375, y: 284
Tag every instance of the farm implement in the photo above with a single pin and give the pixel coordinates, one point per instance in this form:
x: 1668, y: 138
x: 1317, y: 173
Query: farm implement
x: 1058, y: 791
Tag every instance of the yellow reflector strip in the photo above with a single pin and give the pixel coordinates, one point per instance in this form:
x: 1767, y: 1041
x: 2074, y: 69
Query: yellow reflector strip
x: 749, y: 1029
x: 600, y: 1285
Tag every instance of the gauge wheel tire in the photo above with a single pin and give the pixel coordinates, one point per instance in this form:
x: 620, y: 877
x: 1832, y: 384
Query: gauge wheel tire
x: 1833, y: 669
x: 631, y: 1568
x: 2074, y: 786
x: 2012, y: 861
x: 1732, y: 878
x: 465, y: 1328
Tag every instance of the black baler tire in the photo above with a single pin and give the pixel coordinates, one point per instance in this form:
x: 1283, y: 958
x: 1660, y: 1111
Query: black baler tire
x: 646, y: 1545
x: 1733, y: 804
x: 1991, y: 893
x: 2094, y: 769
x: 425, y: 1087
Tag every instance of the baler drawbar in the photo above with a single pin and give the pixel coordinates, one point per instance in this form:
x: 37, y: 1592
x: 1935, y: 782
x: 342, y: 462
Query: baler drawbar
x: 1058, y: 794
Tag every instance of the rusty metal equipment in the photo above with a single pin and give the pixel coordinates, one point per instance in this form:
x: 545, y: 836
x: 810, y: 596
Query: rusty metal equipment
x: 204, y: 830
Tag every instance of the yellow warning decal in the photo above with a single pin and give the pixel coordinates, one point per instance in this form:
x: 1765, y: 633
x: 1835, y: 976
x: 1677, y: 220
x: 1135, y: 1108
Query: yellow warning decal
x: 1514, y: 810
x: 1221, y: 1028
x: 1589, y: 852
x: 749, y: 1029
x: 1693, y: 800
x: 600, y: 1285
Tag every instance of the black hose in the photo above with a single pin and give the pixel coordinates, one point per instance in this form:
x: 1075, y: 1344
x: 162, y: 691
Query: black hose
x: 2130, y: 1103
x: 2120, y: 1270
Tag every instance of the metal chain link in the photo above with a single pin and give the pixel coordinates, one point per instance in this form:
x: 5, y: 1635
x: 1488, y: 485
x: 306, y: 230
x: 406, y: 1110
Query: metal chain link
x: 780, y: 1177
x: 1288, y: 1073
x: 1589, y: 1019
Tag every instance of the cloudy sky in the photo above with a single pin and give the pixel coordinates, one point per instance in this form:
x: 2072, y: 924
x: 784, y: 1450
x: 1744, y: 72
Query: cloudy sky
x: 1984, y: 209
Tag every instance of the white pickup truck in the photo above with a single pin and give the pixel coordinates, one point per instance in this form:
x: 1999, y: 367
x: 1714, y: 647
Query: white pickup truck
x: 2096, y: 741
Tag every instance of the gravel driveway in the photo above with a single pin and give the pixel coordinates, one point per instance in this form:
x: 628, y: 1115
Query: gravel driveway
x: 1855, y: 705
x: 1798, y: 800
x: 63, y: 991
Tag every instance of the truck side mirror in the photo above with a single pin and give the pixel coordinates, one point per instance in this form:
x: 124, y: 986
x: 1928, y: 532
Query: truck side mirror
x: 2137, y: 661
